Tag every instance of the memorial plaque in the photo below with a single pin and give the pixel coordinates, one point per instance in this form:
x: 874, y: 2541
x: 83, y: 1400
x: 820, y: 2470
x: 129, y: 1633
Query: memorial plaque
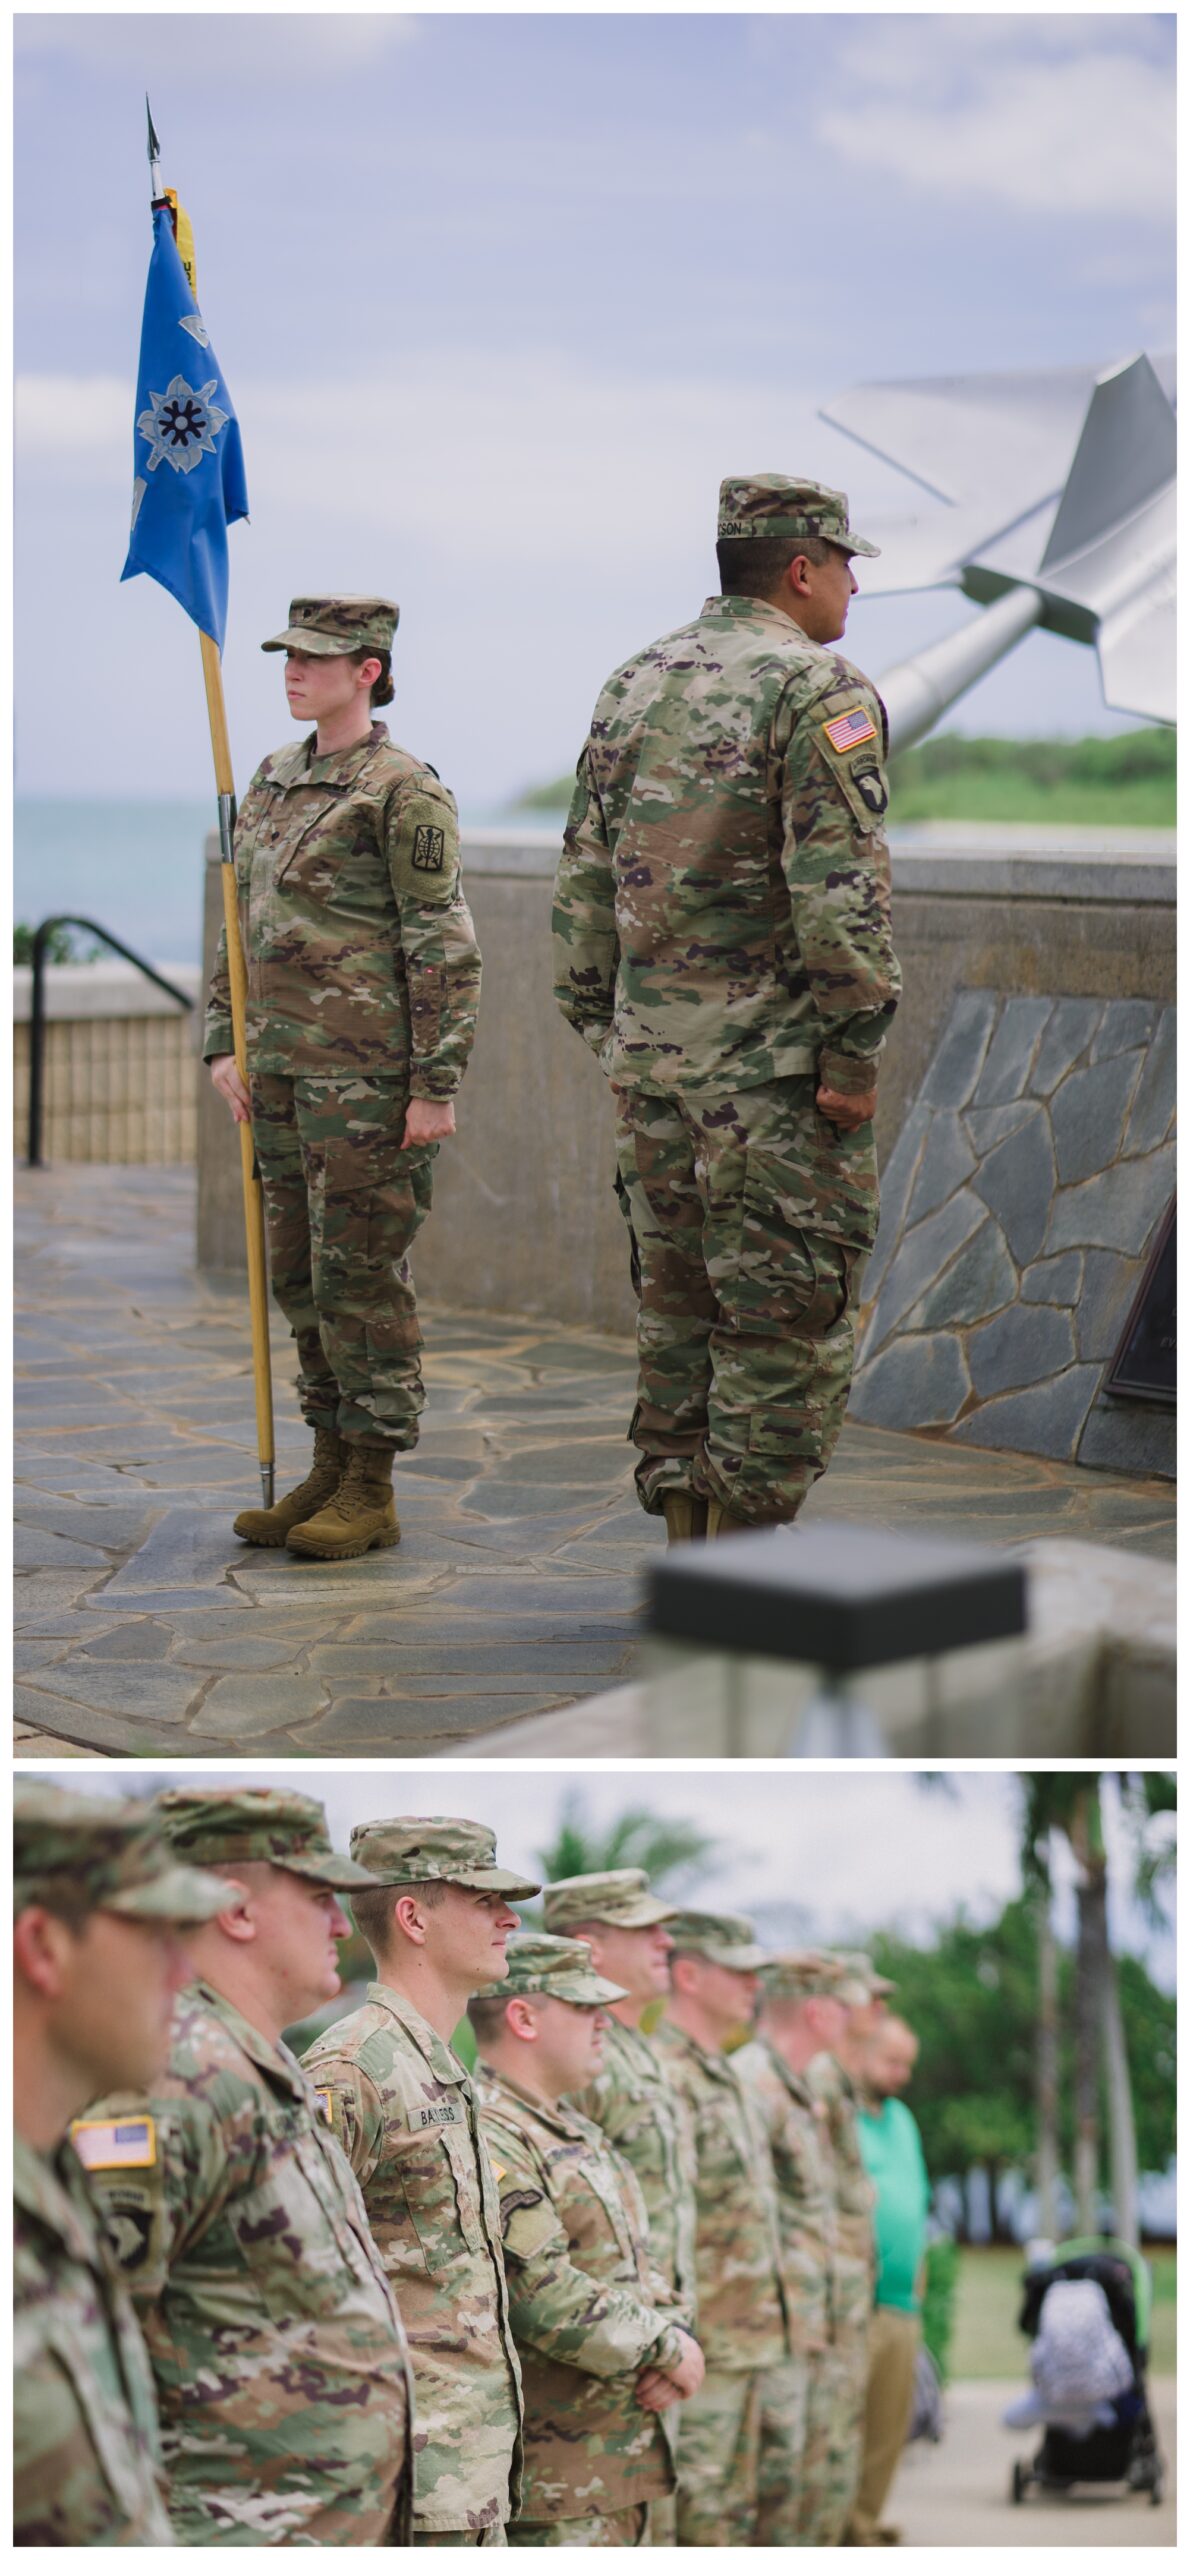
x: 1145, y: 1365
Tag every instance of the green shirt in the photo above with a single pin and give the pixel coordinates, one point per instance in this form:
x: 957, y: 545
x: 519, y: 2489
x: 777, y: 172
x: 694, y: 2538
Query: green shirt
x: 891, y: 2146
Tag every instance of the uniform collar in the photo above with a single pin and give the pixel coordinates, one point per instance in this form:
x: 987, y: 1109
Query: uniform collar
x: 42, y: 2188
x: 753, y: 609
x: 299, y: 763
x: 559, y: 2115
x: 790, y: 2079
x: 275, y: 2061
x: 443, y: 2060
x: 717, y: 2064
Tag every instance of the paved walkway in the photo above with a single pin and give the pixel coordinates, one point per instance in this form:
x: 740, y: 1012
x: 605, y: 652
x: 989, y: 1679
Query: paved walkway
x: 954, y: 2495
x: 144, y: 1626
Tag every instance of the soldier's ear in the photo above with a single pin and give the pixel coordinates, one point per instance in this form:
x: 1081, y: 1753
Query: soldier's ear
x: 521, y: 2018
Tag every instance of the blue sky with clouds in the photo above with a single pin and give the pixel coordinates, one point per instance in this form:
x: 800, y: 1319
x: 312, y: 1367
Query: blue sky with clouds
x: 500, y: 299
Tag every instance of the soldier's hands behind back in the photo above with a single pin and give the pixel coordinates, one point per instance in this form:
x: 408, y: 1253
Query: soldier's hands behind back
x: 847, y: 1110
x: 227, y: 1080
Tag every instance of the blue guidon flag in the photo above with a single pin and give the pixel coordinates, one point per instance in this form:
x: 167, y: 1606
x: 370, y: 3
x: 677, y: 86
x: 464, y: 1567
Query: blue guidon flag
x: 188, y: 467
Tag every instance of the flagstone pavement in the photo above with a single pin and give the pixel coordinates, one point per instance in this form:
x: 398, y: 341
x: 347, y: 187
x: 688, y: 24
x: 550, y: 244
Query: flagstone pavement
x: 144, y: 1627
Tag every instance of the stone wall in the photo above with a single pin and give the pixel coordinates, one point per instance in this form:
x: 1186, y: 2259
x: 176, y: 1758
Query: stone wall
x: 119, y: 1067
x: 1019, y: 1205
x: 525, y: 1216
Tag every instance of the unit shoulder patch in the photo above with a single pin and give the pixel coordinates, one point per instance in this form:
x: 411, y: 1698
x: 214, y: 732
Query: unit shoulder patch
x: 115, y: 2142
x: 429, y: 848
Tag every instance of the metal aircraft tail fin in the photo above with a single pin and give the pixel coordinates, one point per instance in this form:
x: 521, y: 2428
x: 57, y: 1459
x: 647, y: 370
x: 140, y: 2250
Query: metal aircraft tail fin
x: 1126, y: 455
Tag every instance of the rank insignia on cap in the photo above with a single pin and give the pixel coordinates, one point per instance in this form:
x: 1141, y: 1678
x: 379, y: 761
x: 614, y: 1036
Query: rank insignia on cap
x: 116, y: 2142
x: 851, y: 729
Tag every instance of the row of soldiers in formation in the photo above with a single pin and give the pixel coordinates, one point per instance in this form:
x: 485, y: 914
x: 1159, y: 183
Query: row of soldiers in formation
x: 612, y: 2288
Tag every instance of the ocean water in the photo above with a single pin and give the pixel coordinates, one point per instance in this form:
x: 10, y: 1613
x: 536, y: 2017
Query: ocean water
x: 135, y: 866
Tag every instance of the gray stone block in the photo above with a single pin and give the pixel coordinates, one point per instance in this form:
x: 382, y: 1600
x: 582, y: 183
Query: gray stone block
x: 981, y: 1281
x: 1046, y: 1420
x: 954, y: 1069
x: 1017, y: 1181
x: 1071, y: 1028
x: 946, y: 1162
x: 1118, y: 1209
x: 1156, y: 1094
x: 1019, y: 1347
x: 920, y: 1258
x: 1054, y: 1283
x: 1110, y: 1284
x: 1126, y: 1025
x: 986, y: 1128
x: 1088, y: 1112
x: 1005, y: 1072
x: 1136, y: 1439
x: 896, y: 1181
x: 913, y: 1385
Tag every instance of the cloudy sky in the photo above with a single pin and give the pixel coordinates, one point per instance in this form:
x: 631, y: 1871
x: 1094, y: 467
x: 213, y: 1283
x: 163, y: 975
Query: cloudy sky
x: 839, y: 1853
x: 501, y: 298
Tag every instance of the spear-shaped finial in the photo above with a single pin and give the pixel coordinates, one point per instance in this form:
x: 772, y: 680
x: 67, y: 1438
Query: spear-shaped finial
x: 154, y: 150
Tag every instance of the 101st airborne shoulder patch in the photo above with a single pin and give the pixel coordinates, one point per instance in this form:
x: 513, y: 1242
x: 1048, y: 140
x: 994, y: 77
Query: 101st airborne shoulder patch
x: 429, y: 848
x: 115, y: 2142
x: 849, y: 729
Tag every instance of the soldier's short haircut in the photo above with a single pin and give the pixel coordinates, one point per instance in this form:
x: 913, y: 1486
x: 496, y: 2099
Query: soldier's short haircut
x: 372, y: 1908
x: 382, y: 689
x: 755, y: 566
x: 486, y: 2012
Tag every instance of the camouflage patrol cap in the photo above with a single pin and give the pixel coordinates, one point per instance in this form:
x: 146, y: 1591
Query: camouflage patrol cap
x: 809, y: 1973
x: 230, y: 1826
x: 769, y: 505
x: 561, y: 1967
x: 111, y: 1850
x: 332, y: 626
x: 619, y: 1896
x: 863, y: 1980
x: 720, y: 1936
x: 434, y: 1849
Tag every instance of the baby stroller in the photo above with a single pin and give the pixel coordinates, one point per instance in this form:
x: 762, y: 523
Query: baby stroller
x: 1126, y: 2450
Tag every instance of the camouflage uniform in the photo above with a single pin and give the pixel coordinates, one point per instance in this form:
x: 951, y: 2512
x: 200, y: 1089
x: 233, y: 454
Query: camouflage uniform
x: 796, y: 2122
x: 737, y: 2437
x: 407, y: 2115
x: 87, y: 2466
x: 722, y: 940
x: 280, y: 2360
x: 845, y: 2373
x: 363, y: 991
x: 633, y: 2101
x: 588, y: 2309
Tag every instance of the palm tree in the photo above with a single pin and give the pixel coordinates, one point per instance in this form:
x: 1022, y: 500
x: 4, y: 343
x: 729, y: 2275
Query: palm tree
x: 1056, y: 1801
x: 676, y: 1854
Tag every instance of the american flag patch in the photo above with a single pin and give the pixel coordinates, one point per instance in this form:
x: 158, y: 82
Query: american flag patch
x: 851, y: 729
x: 117, y: 2142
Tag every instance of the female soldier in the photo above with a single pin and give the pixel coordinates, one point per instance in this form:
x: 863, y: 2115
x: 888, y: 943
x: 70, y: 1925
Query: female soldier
x: 363, y: 990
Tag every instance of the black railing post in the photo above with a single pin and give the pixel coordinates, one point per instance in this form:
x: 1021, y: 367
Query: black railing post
x: 41, y: 939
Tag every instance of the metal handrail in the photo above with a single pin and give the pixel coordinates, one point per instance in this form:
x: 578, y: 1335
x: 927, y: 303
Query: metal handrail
x: 47, y: 926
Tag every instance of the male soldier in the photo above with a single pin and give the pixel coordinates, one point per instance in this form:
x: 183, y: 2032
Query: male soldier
x: 604, y: 2350
x: 363, y: 991
x: 804, y: 2007
x: 832, y: 2078
x: 722, y: 942
x: 278, y: 2351
x: 736, y: 2479
x: 436, y: 1917
x: 101, y: 1917
x: 633, y: 2101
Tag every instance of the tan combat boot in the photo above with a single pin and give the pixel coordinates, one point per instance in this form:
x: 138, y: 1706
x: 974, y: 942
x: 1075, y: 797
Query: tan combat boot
x: 360, y: 1515
x: 271, y: 1528
x: 720, y: 1523
x: 685, y: 1517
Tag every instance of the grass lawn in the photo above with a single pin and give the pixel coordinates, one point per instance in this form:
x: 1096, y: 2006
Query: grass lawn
x: 988, y: 2346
